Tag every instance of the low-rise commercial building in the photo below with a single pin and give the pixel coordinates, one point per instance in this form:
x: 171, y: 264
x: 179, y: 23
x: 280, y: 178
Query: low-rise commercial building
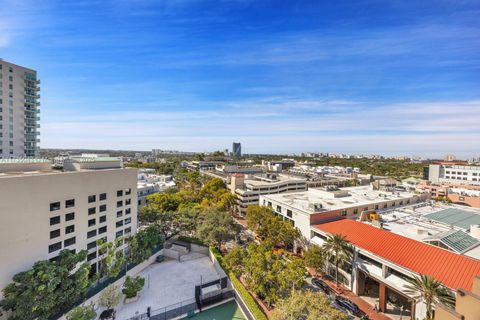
x: 45, y: 211
x: 315, y: 206
x: 149, y: 183
x: 467, y: 305
x: 454, y: 173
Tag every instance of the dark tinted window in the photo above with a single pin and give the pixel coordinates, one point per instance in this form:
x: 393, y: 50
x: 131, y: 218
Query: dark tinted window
x: 54, y: 247
x: 128, y: 210
x: 54, y: 206
x: 119, y: 193
x: 119, y: 214
x: 103, y: 196
x: 103, y: 208
x: 119, y: 204
x: 102, y: 230
x: 69, y: 242
x: 92, y: 233
x: 128, y: 191
x: 70, y: 216
x: 128, y: 220
x: 92, y: 245
x: 103, y: 219
x: 92, y: 256
x: 92, y: 210
x: 54, y: 234
x: 54, y: 220
x: 119, y: 223
x: 92, y: 198
x: 70, y: 229
x: 70, y: 203
x: 91, y: 222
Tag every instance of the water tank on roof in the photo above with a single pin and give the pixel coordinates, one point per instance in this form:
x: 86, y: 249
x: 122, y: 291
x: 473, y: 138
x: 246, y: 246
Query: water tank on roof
x: 475, y: 231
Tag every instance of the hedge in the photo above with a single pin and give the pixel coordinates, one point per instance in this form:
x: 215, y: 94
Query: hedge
x: 246, y: 296
x: 191, y: 240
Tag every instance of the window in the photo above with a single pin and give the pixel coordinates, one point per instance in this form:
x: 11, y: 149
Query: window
x: 119, y: 223
x: 70, y: 203
x: 70, y: 216
x: 102, y: 230
x: 344, y: 212
x: 119, y: 234
x: 55, y: 234
x: 92, y: 245
x: 69, y: 242
x: 355, y: 211
x: 91, y: 222
x: 119, y: 204
x: 119, y: 213
x: 70, y: 229
x: 119, y: 193
x: 92, y: 198
x: 54, y: 220
x: 128, y: 211
x: 92, y: 210
x: 103, y: 196
x: 128, y: 191
x: 128, y: 220
x: 103, y: 208
x: 103, y: 219
x: 91, y: 256
x: 128, y: 230
x: 91, y: 234
x: 54, y: 247
x: 279, y: 209
x: 384, y: 205
x: 289, y: 213
x: 54, y: 206
x: 128, y: 201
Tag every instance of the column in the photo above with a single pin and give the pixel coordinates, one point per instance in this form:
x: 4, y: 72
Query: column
x: 382, y: 297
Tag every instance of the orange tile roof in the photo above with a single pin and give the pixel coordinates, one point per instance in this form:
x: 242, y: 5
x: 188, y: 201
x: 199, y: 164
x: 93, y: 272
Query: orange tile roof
x: 453, y: 270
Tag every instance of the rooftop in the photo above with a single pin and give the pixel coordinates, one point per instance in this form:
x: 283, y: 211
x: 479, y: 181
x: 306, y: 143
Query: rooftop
x: 453, y: 270
x: 456, y: 217
x: 333, y: 200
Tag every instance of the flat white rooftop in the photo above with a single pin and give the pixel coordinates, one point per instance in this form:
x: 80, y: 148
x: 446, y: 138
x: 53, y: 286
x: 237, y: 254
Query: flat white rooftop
x: 332, y: 200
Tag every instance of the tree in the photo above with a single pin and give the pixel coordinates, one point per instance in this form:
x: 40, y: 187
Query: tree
x: 256, y: 215
x: 235, y: 260
x: 170, y: 223
x: 337, y: 247
x: 141, y: 244
x: 306, y: 305
x: 269, y: 275
x: 47, y: 287
x: 132, y: 286
x: 217, y: 227
x: 114, y: 261
x: 315, y: 258
x: 430, y: 290
x: 82, y: 313
x: 109, y: 298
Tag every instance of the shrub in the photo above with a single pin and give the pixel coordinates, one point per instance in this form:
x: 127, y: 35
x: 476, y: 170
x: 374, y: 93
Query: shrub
x: 191, y: 240
x: 132, y: 286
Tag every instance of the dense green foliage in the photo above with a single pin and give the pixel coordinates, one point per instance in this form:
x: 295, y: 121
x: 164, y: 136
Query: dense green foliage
x: 47, y: 287
x: 114, y: 260
x: 142, y: 243
x: 431, y: 291
x: 217, y: 227
x: 246, y: 296
x: 269, y: 275
x: 132, y: 286
x: 314, y: 258
x: 271, y: 228
x: 82, y: 313
x: 306, y: 305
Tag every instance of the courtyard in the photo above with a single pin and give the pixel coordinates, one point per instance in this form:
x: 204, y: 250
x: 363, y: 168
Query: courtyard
x: 169, y: 283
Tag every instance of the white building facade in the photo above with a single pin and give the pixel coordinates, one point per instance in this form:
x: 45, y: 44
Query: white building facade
x: 454, y: 173
x: 44, y: 212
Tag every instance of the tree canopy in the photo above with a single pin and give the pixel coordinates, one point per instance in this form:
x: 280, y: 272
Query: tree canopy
x: 306, y: 305
x: 47, y: 287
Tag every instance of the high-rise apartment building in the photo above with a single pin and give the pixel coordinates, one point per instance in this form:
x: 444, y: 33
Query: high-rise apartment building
x: 237, y: 149
x: 19, y: 111
x: 44, y: 211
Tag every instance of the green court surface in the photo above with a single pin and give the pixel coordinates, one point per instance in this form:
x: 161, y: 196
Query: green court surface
x: 226, y: 311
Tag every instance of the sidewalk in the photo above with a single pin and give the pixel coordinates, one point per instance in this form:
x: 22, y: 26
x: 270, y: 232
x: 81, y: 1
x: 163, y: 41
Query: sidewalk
x: 362, y: 304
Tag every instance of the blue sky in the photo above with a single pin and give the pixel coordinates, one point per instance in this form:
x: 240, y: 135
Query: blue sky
x: 384, y: 77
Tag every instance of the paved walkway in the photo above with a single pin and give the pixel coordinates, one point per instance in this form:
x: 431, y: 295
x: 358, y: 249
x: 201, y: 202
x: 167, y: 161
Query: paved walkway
x: 362, y: 304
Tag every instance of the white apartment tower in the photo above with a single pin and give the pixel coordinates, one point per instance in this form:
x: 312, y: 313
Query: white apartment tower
x: 19, y: 111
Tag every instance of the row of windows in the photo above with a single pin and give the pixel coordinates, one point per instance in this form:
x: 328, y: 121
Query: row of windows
x: 93, y: 233
x: 461, y: 173
x: 56, y: 220
x: 54, y: 206
x: 101, y: 197
x: 58, y: 245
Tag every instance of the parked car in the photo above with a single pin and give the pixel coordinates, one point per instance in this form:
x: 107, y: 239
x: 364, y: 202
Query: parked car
x: 348, y: 305
x: 322, y: 285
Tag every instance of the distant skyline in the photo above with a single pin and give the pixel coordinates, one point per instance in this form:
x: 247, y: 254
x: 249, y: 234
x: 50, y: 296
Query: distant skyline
x: 356, y: 77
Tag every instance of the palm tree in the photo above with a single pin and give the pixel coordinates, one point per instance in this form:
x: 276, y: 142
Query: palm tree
x: 337, y: 247
x: 430, y: 290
